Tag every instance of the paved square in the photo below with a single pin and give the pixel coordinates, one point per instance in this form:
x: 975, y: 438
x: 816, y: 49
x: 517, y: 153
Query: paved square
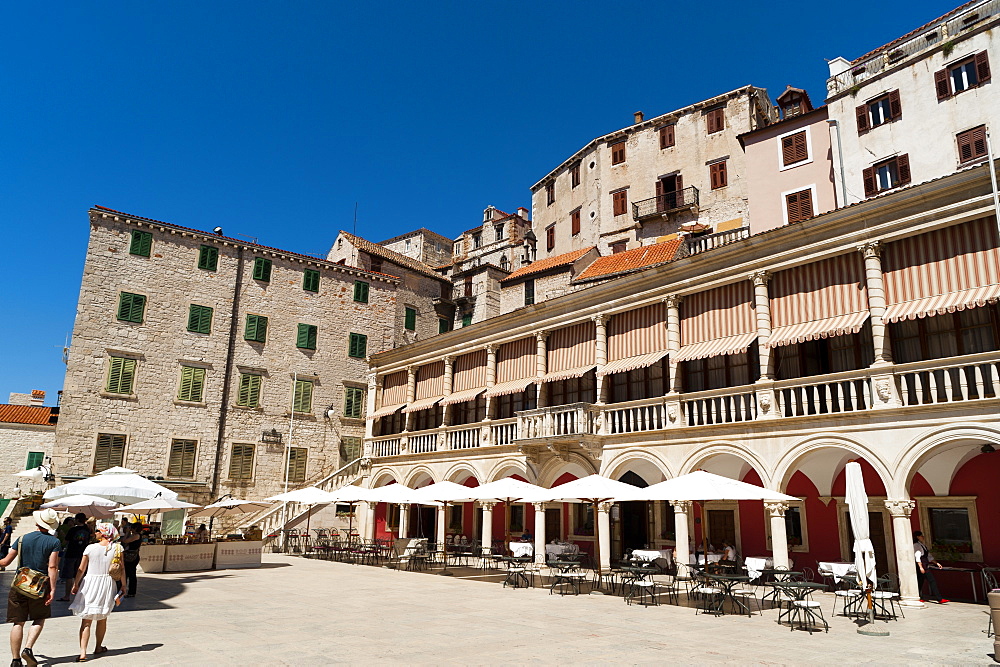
x: 302, y: 612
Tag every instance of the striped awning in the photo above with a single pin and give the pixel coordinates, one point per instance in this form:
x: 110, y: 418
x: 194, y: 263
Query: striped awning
x: 462, y: 396
x: 567, y: 374
x: 511, y: 387
x: 716, y: 347
x: 422, y: 404
x: 943, y: 303
x: 386, y: 410
x: 631, y: 363
x: 816, y: 329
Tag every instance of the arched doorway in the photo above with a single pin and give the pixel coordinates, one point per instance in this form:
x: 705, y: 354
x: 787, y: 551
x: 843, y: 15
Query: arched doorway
x: 423, y: 518
x: 635, y: 521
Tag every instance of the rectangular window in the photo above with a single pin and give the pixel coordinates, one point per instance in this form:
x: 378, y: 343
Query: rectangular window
x: 794, y: 148
x: 35, y: 459
x: 886, y: 175
x: 618, y: 152
x: 358, y: 346
x: 972, y: 144
x: 963, y: 75
x: 262, y: 269
x: 297, y: 464
x: 716, y: 119
x: 249, y: 396
x: 618, y: 246
x: 799, y: 206
x: 466, y: 319
x: 208, y: 258
x: 110, y: 451
x: 361, y: 291
x: 717, y: 175
x: 192, y: 386
x: 666, y: 136
x: 200, y: 319
x: 131, y: 307
x: 498, y: 232
x: 529, y: 292
x: 619, y: 202
x: 444, y: 325
x: 879, y: 111
x: 310, y: 280
x: 181, y: 463
x: 256, y: 329
x: 142, y: 243
x: 550, y: 193
x: 354, y: 402
x: 350, y: 449
x: 574, y: 222
x: 477, y: 240
x: 241, y: 461
x: 121, y: 375
x: 583, y: 519
x: 550, y: 237
x: 302, y: 400
x: 969, y: 331
x: 375, y: 264
x: 410, y: 319
x: 305, y: 339
x: 574, y: 175
x: 950, y: 526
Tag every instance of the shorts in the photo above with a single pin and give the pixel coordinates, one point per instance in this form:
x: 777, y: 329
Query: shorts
x: 21, y: 608
x: 68, y: 567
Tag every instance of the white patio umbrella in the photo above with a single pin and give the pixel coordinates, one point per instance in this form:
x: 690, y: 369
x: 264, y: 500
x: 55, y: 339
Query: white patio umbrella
x: 99, y: 508
x: 156, y: 505
x: 508, y: 490
x: 231, y: 506
x: 309, y: 495
x: 447, y: 493
x: 119, y: 484
x: 864, y: 551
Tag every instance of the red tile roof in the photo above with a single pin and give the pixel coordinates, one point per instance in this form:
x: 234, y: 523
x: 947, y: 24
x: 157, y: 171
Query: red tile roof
x: 914, y: 33
x: 548, y: 263
x: 631, y: 260
x: 396, y: 258
x: 28, y: 414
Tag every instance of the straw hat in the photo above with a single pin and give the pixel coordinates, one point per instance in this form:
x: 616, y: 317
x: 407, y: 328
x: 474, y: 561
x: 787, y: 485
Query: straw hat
x: 47, y: 519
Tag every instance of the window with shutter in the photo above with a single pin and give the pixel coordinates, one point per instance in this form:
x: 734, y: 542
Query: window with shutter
x: 192, y: 384
x: 716, y: 119
x: 887, y: 174
x: 305, y: 339
x: 444, y: 325
x: 529, y: 292
x: 181, y: 464
x: 350, y: 449
x: 358, y: 346
x: 666, y: 136
x: 354, y: 401
x: 142, y: 243
x: 619, y: 202
x: 799, y: 206
x: 466, y: 319
x: 208, y: 258
x: 574, y: 175
x: 717, y: 175
x: 297, y: 464
x: 550, y: 237
x: 200, y: 319
x: 131, y: 307
x: 241, y: 461
x: 303, y: 396
x: 618, y: 152
x: 121, y: 375
x: 256, y: 329
x: 550, y: 193
x: 249, y: 394
x: 361, y: 291
x: 972, y: 144
x: 963, y: 75
x: 262, y: 269
x: 574, y: 222
x: 861, y: 114
x: 410, y: 319
x: 110, y: 451
x: 310, y: 280
x: 794, y: 148
x: 35, y: 459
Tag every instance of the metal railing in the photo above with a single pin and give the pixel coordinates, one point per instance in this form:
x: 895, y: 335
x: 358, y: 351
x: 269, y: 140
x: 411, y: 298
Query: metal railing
x: 668, y: 202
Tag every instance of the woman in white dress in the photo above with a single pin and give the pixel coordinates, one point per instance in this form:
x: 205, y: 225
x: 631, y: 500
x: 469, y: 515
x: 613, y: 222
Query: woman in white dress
x: 99, y: 593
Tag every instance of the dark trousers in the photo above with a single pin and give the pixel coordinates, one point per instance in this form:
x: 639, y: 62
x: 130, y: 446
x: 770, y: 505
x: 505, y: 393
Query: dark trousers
x: 130, y: 578
x: 932, y: 587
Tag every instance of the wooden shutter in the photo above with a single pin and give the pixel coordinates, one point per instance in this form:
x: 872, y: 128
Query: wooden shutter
x: 717, y: 172
x: 361, y: 291
x: 942, y: 84
x: 895, y: 106
x: 306, y: 337
x: 799, y: 206
x: 310, y: 280
x: 861, y: 113
x: 965, y: 150
x: 262, y: 269
x: 249, y: 395
x: 982, y: 67
x: 666, y: 136
x: 978, y: 141
x: 297, y: 464
x: 903, y: 168
x: 619, y: 201
x: 200, y: 319
x: 410, y: 319
x: 121, y: 374
x: 241, y: 462
x: 142, y: 243
x: 131, y: 307
x: 868, y: 175
x: 182, y: 454
x: 792, y: 207
x: 618, y: 152
x: 208, y: 258
x: 302, y: 398
x: 256, y: 329
x: 110, y: 451
x: 794, y: 148
x: 679, y: 189
x: 550, y: 237
x: 353, y: 402
x: 358, y: 346
x: 574, y: 222
x: 192, y: 384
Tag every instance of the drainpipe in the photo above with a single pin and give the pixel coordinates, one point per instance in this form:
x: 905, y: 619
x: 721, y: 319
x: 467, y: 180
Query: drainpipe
x: 840, y: 154
x: 227, y: 378
x: 993, y: 179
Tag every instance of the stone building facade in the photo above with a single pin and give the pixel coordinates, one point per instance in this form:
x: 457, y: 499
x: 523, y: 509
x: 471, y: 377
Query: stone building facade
x: 27, y: 438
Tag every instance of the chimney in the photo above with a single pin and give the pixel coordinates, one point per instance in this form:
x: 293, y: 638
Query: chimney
x: 523, y: 213
x: 638, y: 117
x: 37, y: 397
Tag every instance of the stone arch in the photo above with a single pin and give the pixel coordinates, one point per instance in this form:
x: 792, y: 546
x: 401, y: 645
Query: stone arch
x: 729, y: 460
x: 383, y: 477
x: 456, y: 470
x: 577, y: 464
x: 417, y: 474
x: 621, y: 462
x: 508, y: 466
x: 939, y: 455
x: 823, y: 457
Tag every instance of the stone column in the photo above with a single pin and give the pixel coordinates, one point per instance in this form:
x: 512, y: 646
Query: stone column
x: 766, y: 400
x: 876, y: 300
x: 374, y: 396
x: 541, y: 364
x: 682, y: 508
x: 449, y: 376
x: 491, y: 378
x: 673, y: 304
x: 487, y: 527
x: 604, y: 534
x: 442, y: 526
x: 779, y: 537
x: 539, y: 532
x: 902, y: 533
x: 600, y: 355
x: 404, y: 520
x: 370, y: 520
x: 411, y: 394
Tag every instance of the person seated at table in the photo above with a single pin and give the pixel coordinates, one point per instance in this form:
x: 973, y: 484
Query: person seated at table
x: 728, y: 552
x: 526, y: 536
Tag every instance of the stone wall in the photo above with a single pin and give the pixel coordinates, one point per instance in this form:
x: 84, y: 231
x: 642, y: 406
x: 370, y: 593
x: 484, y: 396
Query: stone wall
x: 16, y: 441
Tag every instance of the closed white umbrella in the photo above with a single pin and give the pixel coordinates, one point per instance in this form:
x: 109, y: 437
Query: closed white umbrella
x: 99, y: 508
x: 864, y: 551
x: 399, y: 494
x: 119, y: 484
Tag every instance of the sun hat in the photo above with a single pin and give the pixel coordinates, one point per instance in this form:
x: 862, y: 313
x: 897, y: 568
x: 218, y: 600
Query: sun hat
x: 47, y: 519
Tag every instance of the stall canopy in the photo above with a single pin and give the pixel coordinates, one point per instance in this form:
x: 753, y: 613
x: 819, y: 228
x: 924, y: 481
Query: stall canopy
x: 119, y: 484
x: 517, y: 367
x: 636, y: 339
x: 393, y: 394
x: 717, y: 322
x: 571, y: 352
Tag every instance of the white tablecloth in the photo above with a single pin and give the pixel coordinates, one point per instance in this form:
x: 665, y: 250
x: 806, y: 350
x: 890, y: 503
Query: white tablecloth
x: 712, y: 558
x: 522, y: 549
x: 553, y: 551
x: 651, y: 555
x: 838, y: 570
x: 755, y: 564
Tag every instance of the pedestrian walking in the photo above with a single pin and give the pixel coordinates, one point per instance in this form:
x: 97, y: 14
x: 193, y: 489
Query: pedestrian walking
x: 99, y: 569
x: 34, y: 586
x: 131, y: 541
x: 925, y: 561
x: 75, y: 541
x: 6, y: 532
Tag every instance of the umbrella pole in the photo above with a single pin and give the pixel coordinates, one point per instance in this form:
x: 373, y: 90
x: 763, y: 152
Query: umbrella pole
x: 597, y: 541
x: 704, y: 535
x: 350, y: 522
x: 445, y: 572
x: 868, y: 627
x: 308, y: 516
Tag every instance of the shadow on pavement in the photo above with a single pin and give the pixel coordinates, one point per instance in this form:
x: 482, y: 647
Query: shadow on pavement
x: 110, y: 652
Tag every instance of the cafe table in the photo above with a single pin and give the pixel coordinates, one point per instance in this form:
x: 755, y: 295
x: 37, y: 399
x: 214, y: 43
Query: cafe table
x: 800, y: 606
x: 517, y: 571
x: 568, y: 572
x: 727, y: 583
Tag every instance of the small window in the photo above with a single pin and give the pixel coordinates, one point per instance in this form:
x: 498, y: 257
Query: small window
x: 200, y: 319
x: 410, y: 319
x: 963, y: 75
x: 297, y: 464
x: 619, y: 202
x: 142, y: 243
x: 498, y: 232
x: 121, y: 375
x: 799, y: 206
x: 256, y: 329
x: 574, y: 175
x: 354, y: 402
x: 358, y: 346
x: 550, y: 193
x: 305, y: 338
x: 249, y: 395
x: 192, y: 386
x: 241, y: 461
x: 667, y: 136
x: 444, y: 324
x: 879, y: 111
x: 208, y: 258
x: 477, y: 240
x: 375, y: 264
x: 618, y: 246
x: 310, y: 280
x: 794, y: 148
x: 181, y: 463
x: 350, y: 449
x: 529, y: 292
x: 618, y: 152
x: 972, y: 144
x: 550, y: 237
x: 262, y: 269
x: 717, y: 175
x: 302, y: 399
x: 110, y: 451
x: 716, y: 120
x: 466, y: 319
x: 131, y: 307
x: 361, y: 291
x: 574, y: 222
x: 35, y: 459
x: 888, y: 174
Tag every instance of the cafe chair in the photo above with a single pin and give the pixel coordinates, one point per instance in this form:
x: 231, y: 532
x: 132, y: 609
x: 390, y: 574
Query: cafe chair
x: 850, y: 595
x: 745, y: 593
x: 709, y: 594
x: 886, y: 599
x: 517, y: 575
x: 808, y: 611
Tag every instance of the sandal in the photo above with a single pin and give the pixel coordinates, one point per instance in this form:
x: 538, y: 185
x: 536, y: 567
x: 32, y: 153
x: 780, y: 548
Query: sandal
x: 100, y: 649
x: 80, y: 658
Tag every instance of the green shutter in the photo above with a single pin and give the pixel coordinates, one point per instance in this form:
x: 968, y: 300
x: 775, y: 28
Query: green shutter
x: 302, y: 399
x: 131, y: 307
x: 262, y: 269
x: 466, y: 319
x: 182, y: 454
x: 249, y: 394
x: 353, y: 402
x: 444, y: 325
x: 208, y: 258
x: 241, y: 462
x: 35, y: 459
x: 411, y: 319
x: 110, y: 451
x: 310, y: 280
x: 256, y: 329
x: 297, y: 464
x: 361, y: 291
x: 142, y: 243
x: 306, y: 338
x: 200, y: 319
x: 121, y: 373
x: 192, y: 384
x: 350, y: 449
x: 358, y: 347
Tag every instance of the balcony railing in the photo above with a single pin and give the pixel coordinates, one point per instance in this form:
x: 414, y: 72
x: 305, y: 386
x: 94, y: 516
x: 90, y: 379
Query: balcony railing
x: 942, y: 381
x: 669, y: 202
x: 696, y: 244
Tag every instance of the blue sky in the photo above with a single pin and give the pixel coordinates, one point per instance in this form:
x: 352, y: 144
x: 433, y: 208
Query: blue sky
x: 273, y: 119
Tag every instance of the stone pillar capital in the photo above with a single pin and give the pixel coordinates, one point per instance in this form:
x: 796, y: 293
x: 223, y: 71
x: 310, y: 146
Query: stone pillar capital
x: 681, y: 506
x: 449, y: 360
x: 487, y: 505
x: 539, y: 507
x: 604, y: 506
x: 871, y: 249
x: 759, y: 278
x: 491, y: 348
x: 600, y: 319
x: 776, y: 509
x: 673, y: 300
x: 541, y: 336
x: 375, y: 380
x: 900, y: 509
x: 411, y: 371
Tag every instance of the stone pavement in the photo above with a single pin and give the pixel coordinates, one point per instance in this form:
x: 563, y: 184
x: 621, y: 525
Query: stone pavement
x: 303, y: 612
